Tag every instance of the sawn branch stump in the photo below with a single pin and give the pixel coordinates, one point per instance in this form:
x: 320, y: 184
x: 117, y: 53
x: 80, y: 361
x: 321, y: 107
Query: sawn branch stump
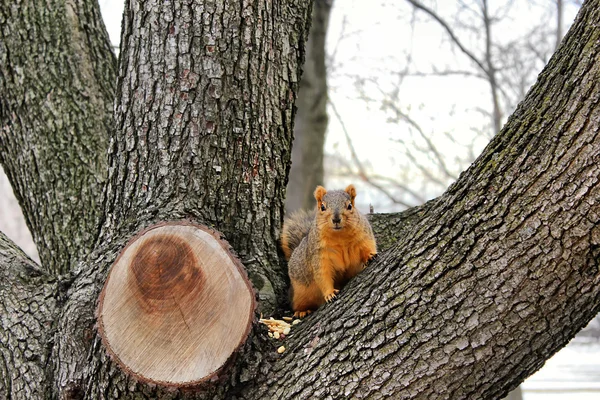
x: 175, y: 306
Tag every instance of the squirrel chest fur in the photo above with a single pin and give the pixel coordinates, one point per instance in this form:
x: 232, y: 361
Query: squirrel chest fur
x: 325, y: 248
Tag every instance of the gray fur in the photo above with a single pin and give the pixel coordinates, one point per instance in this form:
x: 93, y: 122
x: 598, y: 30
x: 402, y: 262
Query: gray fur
x: 296, y: 227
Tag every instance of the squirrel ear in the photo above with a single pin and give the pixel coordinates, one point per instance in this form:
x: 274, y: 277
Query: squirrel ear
x: 352, y: 192
x: 319, y: 193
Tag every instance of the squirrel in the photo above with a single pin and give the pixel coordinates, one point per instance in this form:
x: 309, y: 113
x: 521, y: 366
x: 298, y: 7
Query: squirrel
x: 325, y: 248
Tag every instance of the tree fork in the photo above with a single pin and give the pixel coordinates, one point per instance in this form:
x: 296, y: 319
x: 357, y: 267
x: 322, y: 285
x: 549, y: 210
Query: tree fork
x: 494, y: 277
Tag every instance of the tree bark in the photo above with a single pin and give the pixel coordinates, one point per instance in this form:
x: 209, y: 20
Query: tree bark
x: 30, y: 302
x: 57, y: 77
x: 478, y: 288
x: 204, y: 123
x: 310, y: 124
x: 204, y: 112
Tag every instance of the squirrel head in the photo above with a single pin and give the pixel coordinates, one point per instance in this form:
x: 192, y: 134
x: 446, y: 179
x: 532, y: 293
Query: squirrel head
x: 335, y: 209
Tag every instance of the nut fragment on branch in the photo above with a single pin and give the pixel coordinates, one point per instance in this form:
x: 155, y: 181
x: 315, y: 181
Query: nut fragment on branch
x: 176, y: 305
x: 278, y: 328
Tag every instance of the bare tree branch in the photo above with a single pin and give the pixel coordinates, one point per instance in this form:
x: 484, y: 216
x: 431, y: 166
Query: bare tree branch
x: 491, y: 69
x: 430, y: 146
x: 559, y: 22
x: 362, y: 173
x: 450, y: 32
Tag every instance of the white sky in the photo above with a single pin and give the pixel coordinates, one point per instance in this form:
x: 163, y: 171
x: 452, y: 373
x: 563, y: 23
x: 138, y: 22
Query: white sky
x: 373, y: 44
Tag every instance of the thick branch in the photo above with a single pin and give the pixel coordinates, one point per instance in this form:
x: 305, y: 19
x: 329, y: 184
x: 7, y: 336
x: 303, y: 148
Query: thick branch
x: 28, y: 302
x: 477, y: 294
x: 57, y: 75
x: 390, y: 229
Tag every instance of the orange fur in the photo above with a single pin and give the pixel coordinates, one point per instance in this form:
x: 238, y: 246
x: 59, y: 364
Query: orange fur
x: 342, y: 242
x: 319, y: 193
x: 305, y: 298
x: 285, y: 246
x: 352, y: 192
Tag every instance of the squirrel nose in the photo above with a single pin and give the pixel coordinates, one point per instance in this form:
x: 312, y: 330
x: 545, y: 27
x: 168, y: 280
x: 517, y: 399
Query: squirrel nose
x: 336, y: 219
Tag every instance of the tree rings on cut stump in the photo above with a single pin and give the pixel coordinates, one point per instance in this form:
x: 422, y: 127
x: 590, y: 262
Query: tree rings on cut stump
x: 176, y: 305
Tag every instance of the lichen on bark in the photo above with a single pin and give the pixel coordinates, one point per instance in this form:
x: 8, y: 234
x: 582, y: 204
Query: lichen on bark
x: 57, y: 77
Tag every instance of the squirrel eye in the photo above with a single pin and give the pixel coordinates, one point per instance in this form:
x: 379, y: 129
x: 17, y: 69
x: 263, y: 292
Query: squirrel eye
x: 350, y: 206
x: 322, y: 207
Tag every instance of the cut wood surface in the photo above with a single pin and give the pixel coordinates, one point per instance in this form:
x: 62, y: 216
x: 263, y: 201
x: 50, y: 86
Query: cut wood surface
x: 175, y: 306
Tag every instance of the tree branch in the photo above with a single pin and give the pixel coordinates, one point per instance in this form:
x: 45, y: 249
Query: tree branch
x: 362, y: 172
x: 391, y: 228
x: 56, y: 94
x: 476, y: 294
x: 448, y: 29
x: 430, y: 146
x: 491, y: 69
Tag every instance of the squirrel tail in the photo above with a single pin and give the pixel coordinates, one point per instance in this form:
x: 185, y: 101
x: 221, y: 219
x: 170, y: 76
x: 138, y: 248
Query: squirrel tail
x: 295, y: 228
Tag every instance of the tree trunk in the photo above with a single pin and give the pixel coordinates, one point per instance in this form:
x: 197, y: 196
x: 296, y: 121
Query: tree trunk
x: 310, y: 124
x: 478, y: 288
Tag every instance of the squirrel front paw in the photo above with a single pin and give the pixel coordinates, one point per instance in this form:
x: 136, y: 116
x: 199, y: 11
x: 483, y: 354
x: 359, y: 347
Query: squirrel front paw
x: 329, y: 297
x: 301, y: 314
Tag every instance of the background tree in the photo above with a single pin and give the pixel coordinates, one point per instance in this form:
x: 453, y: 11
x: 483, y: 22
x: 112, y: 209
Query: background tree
x: 477, y: 289
x: 311, y: 120
x: 487, y: 56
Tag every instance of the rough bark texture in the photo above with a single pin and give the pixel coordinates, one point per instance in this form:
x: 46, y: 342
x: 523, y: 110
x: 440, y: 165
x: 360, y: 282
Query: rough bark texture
x: 478, y: 288
x: 57, y: 77
x: 389, y: 229
x: 27, y: 311
x: 204, y: 115
x: 310, y: 124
